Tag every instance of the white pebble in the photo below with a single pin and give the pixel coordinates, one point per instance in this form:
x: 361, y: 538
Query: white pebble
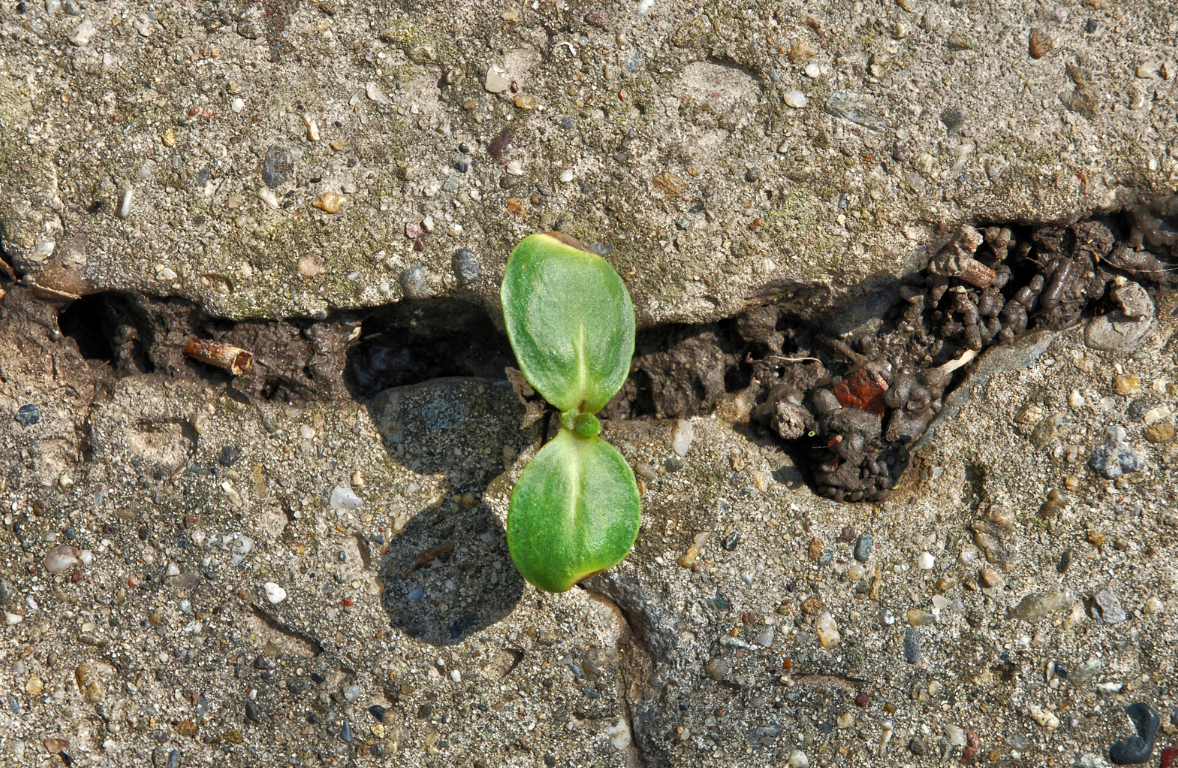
x: 173, y: 569
x: 456, y: 676
x: 827, y: 630
x: 644, y: 7
x: 125, y: 201
x: 274, y: 593
x: 681, y: 436
x: 567, y: 176
x: 83, y: 32
x: 925, y: 561
x: 798, y: 759
x: 237, y: 105
x: 345, y: 498
x: 956, y: 735
x: 813, y: 71
x: 515, y: 168
x: 60, y: 559
x: 795, y: 99
x: 86, y: 556
x: 1075, y: 399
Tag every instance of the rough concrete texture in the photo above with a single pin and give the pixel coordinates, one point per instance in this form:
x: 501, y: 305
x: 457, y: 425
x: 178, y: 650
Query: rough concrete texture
x: 201, y: 571
x: 135, y: 139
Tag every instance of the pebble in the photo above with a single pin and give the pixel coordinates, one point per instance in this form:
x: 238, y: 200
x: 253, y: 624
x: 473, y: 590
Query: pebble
x: 1106, y: 607
x: 813, y: 71
x: 827, y: 630
x: 863, y: 547
x: 911, y: 646
x: 524, y: 101
x: 274, y: 593
x: 916, y: 746
x: 990, y: 578
x: 1041, y: 43
x: 345, y: 733
x: 798, y: 759
x: 1115, y: 457
x: 1045, y: 718
x: 919, y: 618
x: 1126, y: 384
x: 1162, y: 432
x: 1039, y: 605
x: 277, y: 167
x: 794, y: 99
x: 329, y: 202
x: 497, y: 80
x: 413, y: 282
x: 236, y: 105
x: 681, y: 436
x: 717, y: 669
x: 28, y: 415
x: 926, y: 561
x: 467, y: 268
x: 1139, y: 748
x: 60, y: 559
x: 1123, y: 331
x: 82, y: 33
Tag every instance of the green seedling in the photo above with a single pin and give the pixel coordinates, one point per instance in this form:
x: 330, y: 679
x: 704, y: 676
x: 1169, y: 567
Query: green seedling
x: 575, y: 510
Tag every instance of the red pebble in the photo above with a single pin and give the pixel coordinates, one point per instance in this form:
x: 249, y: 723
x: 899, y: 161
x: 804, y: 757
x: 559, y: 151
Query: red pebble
x: 972, y: 745
x: 76, y: 577
x: 347, y: 602
x: 1169, y: 755
x: 863, y: 699
x: 864, y: 390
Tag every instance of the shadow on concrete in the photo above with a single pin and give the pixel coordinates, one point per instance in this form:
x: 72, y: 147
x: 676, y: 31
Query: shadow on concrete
x: 448, y: 574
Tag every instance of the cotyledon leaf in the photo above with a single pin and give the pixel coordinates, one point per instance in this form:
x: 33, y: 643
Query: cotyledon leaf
x: 574, y: 512
x: 570, y: 321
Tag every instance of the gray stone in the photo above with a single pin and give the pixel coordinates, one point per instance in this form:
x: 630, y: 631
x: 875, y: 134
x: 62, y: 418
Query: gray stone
x: 277, y: 167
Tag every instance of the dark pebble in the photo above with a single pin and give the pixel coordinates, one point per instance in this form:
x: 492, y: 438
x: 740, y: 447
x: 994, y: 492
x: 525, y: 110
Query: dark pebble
x: 464, y: 149
x: 346, y: 734
x: 229, y: 455
x: 1061, y: 671
x: 424, y: 711
x: 277, y: 167
x: 467, y: 266
x: 376, y: 750
x: 13, y: 704
x: 251, y: 712
x: 590, y: 692
x: 911, y: 646
x: 916, y: 746
x: 297, y: 686
x: 1065, y: 560
x: 826, y: 557
x: 543, y: 190
x: 953, y: 119
x: 507, y: 182
x: 752, y: 174
x: 377, y: 711
x: 462, y: 166
x: 318, y: 677
x: 313, y: 718
x: 343, y: 556
x: 28, y: 415
x: 568, y: 124
x: 863, y: 547
x: 672, y: 465
x: 826, y: 726
x: 730, y: 541
x: 549, y: 760
x: 262, y: 663
x: 1139, y: 748
x: 499, y: 143
x: 1173, y: 716
x: 1091, y: 26
x: 5, y: 592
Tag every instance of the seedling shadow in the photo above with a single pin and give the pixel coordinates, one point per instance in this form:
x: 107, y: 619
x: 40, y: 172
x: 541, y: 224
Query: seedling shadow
x: 448, y: 574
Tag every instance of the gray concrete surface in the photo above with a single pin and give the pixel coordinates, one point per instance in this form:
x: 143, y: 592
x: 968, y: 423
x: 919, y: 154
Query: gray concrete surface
x: 219, y: 607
